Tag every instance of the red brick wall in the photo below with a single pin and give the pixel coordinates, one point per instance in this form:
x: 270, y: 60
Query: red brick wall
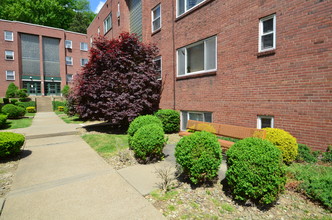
x: 294, y: 85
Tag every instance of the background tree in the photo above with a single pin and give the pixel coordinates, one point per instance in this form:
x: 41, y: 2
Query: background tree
x: 119, y: 82
x: 54, y: 13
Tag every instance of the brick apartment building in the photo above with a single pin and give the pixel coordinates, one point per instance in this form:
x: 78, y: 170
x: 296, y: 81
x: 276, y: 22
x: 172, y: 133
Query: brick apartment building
x: 39, y: 58
x: 263, y: 63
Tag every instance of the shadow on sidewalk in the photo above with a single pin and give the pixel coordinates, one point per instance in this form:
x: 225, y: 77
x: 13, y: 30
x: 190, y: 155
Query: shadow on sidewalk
x: 23, y: 154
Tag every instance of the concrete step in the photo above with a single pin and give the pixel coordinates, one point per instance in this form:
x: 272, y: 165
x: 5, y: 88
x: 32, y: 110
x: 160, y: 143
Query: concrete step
x: 44, y: 104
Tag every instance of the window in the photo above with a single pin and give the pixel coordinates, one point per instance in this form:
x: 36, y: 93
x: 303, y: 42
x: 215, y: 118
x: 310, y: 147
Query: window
x: 185, y: 5
x: 84, y: 62
x: 84, y: 46
x: 68, y: 44
x: 108, y: 23
x: 267, y: 33
x: 69, y: 61
x: 9, y: 55
x: 265, y: 122
x: 10, y: 75
x: 157, y: 62
x: 91, y: 41
x: 69, y: 78
x: 9, y: 36
x: 197, y: 116
x: 199, y: 57
x: 156, y: 18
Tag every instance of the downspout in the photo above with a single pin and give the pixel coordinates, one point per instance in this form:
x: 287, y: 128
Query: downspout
x: 174, y: 56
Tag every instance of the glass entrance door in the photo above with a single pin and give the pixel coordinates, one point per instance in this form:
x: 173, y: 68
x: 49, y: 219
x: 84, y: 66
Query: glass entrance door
x: 33, y: 88
x: 52, y: 88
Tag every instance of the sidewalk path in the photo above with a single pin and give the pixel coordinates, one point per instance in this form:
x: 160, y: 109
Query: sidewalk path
x: 61, y: 177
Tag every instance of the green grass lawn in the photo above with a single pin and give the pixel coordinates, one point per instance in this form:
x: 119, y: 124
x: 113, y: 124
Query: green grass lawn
x: 107, y: 144
x: 69, y: 119
x: 19, y: 123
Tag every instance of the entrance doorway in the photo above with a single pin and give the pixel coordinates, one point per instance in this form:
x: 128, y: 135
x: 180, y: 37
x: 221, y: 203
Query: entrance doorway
x: 33, y: 88
x: 52, y: 88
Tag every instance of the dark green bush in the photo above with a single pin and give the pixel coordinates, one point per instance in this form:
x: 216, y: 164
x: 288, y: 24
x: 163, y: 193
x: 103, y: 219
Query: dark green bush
x: 13, y: 101
x: 11, y: 91
x: 327, y: 156
x: 139, y: 122
x: 13, y: 111
x: 3, y: 120
x: 305, y: 154
x: 10, y: 143
x: 26, y: 104
x: 170, y: 119
x: 148, y: 143
x: 65, y: 91
x: 56, y: 104
x: 255, y: 171
x: 200, y: 156
x: 316, y: 181
x: 5, y: 101
x: 22, y: 93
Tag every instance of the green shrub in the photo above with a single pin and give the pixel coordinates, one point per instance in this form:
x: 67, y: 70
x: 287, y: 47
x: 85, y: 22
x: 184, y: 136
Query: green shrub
x: 327, y: 156
x: 65, y: 91
x: 3, y: 120
x: 139, y: 122
x: 26, y: 104
x: 10, y: 143
x: 305, y: 154
x: 284, y: 141
x: 200, y: 156
x: 148, y: 143
x: 61, y: 108
x: 13, y: 111
x: 56, y: 104
x: 255, y: 171
x: 5, y: 101
x: 22, y: 93
x: 11, y: 91
x: 170, y: 119
x: 31, y: 109
x: 13, y: 101
x: 316, y: 181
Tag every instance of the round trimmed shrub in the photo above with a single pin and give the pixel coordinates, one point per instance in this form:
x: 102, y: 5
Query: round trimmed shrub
x: 31, y: 109
x: 284, y: 141
x: 3, y: 120
x: 148, y: 143
x: 13, y: 111
x: 199, y: 155
x: 170, y: 119
x: 255, y: 171
x: 10, y: 143
x: 13, y: 101
x: 139, y: 122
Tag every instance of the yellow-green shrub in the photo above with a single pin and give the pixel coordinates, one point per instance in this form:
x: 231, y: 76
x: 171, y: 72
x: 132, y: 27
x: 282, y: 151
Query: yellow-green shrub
x: 284, y: 141
x: 31, y: 109
x: 61, y: 108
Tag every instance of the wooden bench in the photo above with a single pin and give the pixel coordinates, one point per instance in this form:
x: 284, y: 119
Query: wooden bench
x: 231, y: 131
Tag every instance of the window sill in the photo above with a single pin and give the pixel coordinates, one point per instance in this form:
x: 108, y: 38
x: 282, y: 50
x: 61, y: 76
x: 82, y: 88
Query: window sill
x: 107, y: 31
x: 198, y: 75
x: 156, y: 32
x: 195, y: 8
x: 9, y: 60
x: 266, y: 53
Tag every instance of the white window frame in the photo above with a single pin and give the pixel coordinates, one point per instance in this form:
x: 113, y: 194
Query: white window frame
x: 71, y: 78
x: 185, y: 60
x: 259, y: 120
x: 188, y: 117
x: 84, y: 48
x: 12, y: 36
x: 69, y: 59
x: 68, y: 44
x: 82, y: 61
x: 108, y: 17
x: 7, y: 71
x: 161, y: 64
x: 154, y: 19
x: 185, y: 7
x: 6, y: 54
x: 261, y: 34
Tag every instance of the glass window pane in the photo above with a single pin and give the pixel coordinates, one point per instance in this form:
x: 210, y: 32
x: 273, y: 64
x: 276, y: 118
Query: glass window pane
x: 196, y: 116
x: 211, y: 53
x: 195, y: 58
x: 192, y: 3
x: 267, y: 41
x: 181, y: 7
x: 156, y: 13
x: 268, y: 25
x: 181, y: 61
x: 266, y: 122
x: 156, y: 24
x: 8, y: 35
x: 184, y: 120
x: 208, y: 117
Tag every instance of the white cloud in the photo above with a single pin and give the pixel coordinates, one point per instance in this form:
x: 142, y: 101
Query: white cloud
x: 100, y: 5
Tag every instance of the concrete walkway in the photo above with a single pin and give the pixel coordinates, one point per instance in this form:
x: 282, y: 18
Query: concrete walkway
x: 61, y: 177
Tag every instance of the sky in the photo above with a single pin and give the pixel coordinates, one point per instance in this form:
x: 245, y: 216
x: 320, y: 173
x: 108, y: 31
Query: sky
x: 96, y: 5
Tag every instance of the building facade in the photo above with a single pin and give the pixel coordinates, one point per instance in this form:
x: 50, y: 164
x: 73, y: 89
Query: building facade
x: 262, y: 63
x: 39, y: 58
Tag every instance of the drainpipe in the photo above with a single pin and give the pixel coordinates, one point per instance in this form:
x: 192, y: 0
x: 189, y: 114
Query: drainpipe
x: 174, y: 56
